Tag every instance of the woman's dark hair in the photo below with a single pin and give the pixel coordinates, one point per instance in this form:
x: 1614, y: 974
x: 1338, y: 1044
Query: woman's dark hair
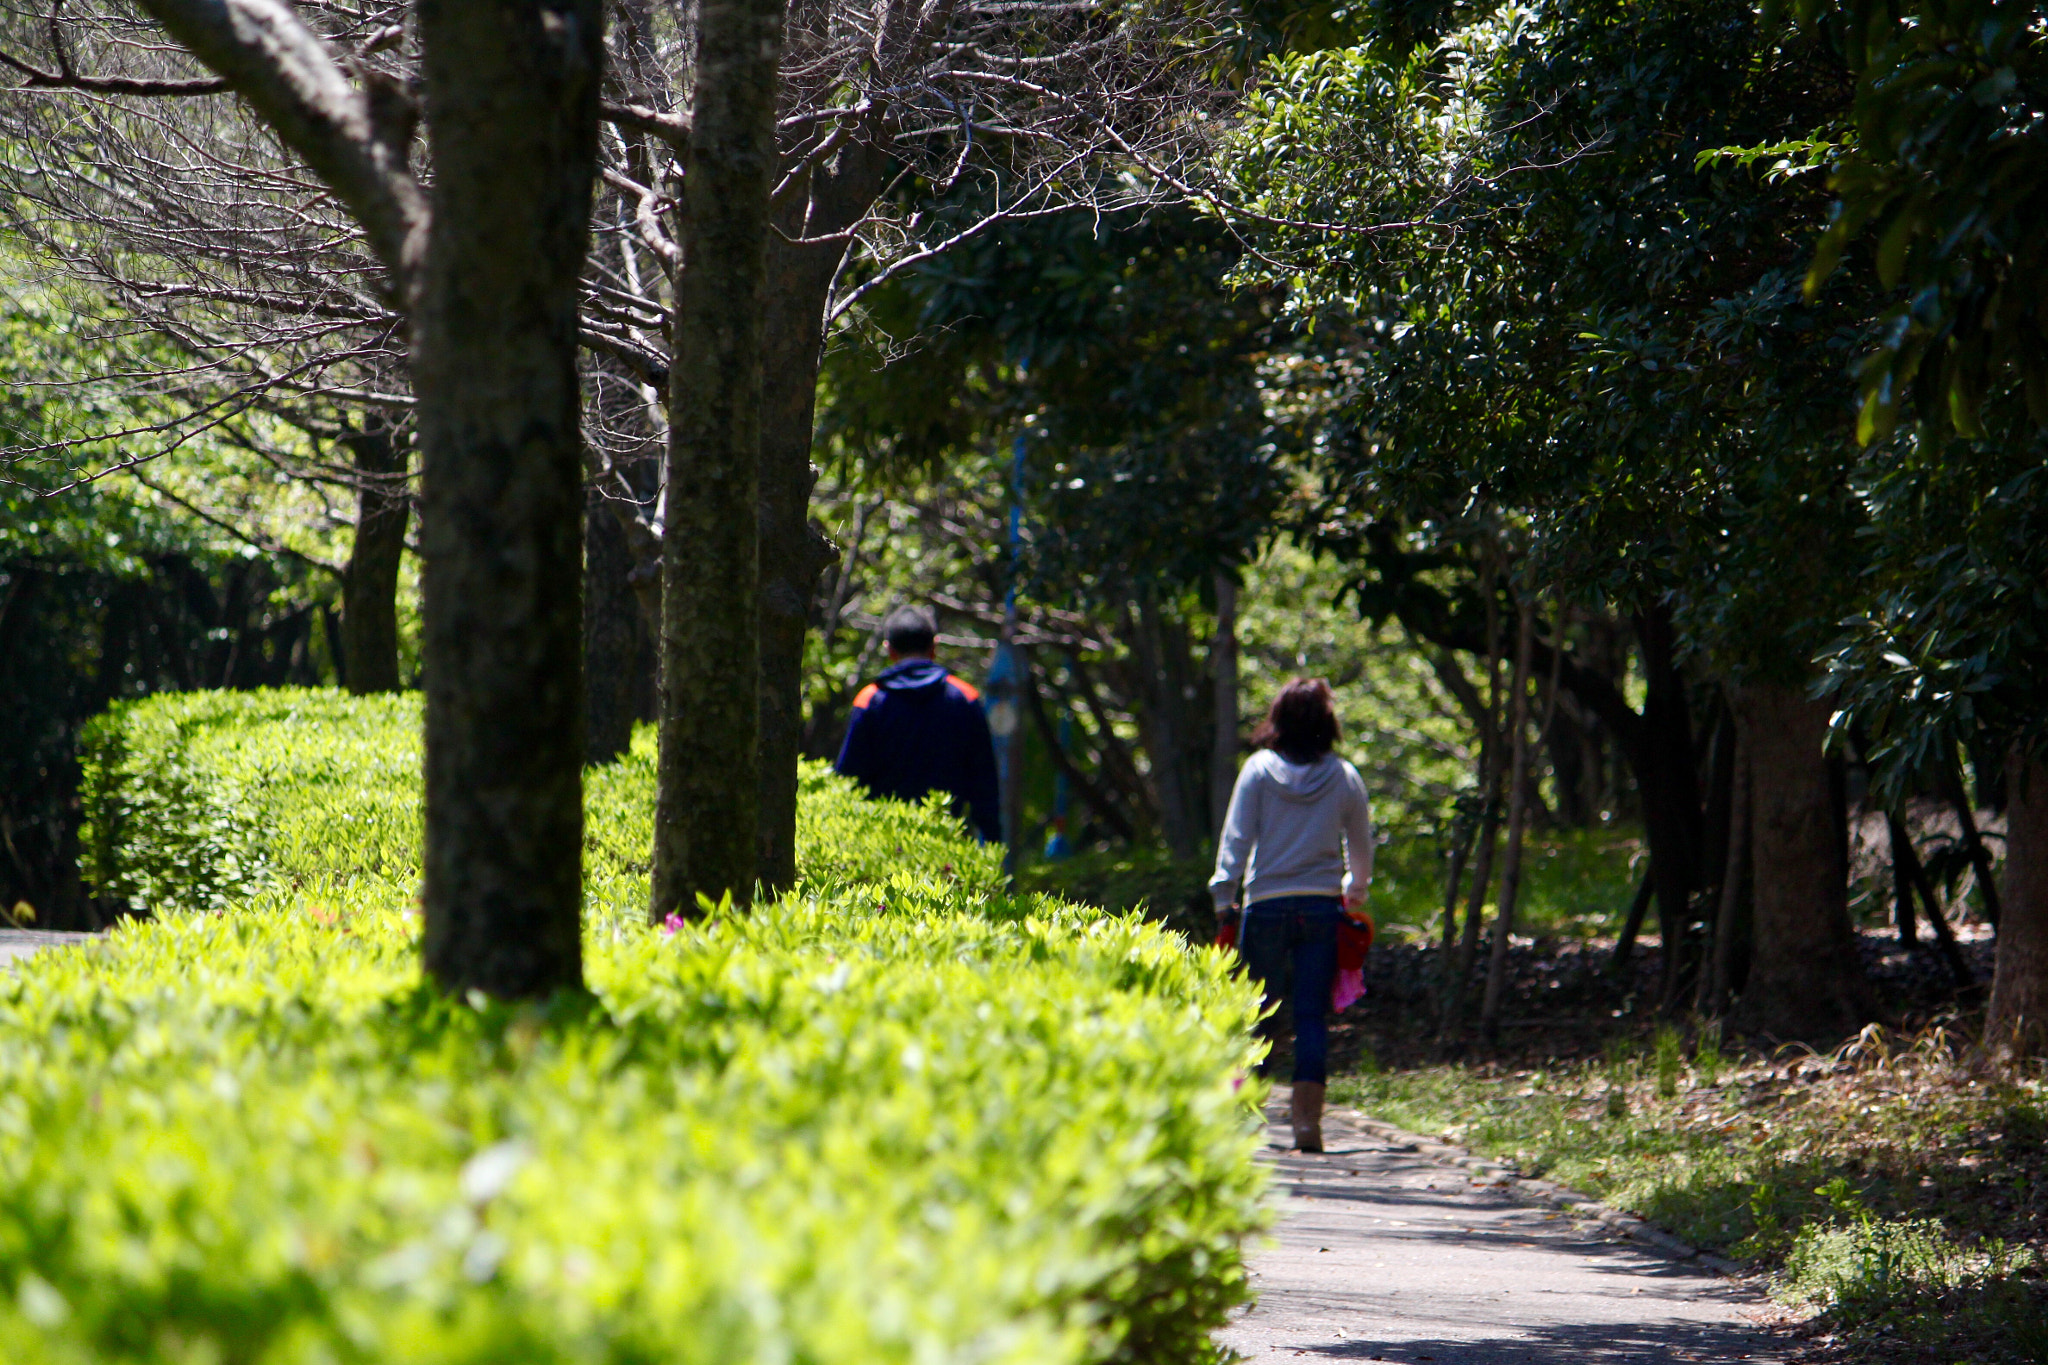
x: 1301, y: 725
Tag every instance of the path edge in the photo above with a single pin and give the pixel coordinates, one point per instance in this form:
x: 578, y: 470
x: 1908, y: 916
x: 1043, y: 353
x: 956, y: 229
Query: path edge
x: 1549, y: 1192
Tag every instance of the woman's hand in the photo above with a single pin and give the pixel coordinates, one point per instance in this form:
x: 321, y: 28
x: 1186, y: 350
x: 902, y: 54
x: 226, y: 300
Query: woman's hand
x: 1352, y: 902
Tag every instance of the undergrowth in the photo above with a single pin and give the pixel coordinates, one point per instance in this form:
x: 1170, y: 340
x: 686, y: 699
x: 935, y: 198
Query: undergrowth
x: 1575, y: 882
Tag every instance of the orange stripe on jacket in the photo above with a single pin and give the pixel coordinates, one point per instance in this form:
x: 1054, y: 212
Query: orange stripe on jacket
x: 967, y: 689
x: 866, y: 695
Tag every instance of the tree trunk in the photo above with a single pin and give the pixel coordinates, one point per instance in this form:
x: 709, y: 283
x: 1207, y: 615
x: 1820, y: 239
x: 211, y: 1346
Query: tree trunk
x: 1973, y: 842
x: 707, y: 807
x: 1518, y: 823
x: 1901, y: 845
x: 1805, y: 980
x: 1165, y: 737
x: 1223, y: 678
x: 369, y: 591
x: 1632, y: 922
x: 1907, y: 869
x: 612, y: 637
x: 1718, y: 982
x: 1458, y: 970
x: 2017, y: 1023
x: 792, y: 551
x: 511, y: 106
x: 1670, y: 790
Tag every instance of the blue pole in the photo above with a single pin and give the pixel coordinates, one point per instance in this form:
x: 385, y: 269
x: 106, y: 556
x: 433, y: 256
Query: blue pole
x: 1006, y: 679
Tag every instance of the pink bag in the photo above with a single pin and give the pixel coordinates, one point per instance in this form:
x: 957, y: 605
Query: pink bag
x: 1354, y: 941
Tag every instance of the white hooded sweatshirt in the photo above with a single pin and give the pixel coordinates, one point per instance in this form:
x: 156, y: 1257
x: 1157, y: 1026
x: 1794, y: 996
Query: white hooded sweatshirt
x: 1294, y: 829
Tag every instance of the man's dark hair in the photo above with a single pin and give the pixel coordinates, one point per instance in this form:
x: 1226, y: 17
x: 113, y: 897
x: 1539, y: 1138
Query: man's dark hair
x: 1302, y: 725
x: 910, y: 630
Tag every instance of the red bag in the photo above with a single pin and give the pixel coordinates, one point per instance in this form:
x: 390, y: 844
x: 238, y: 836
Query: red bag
x: 1354, y: 940
x: 1226, y: 933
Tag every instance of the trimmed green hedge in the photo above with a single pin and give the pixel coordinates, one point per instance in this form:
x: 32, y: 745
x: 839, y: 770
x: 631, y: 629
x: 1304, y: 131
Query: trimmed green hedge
x: 897, y: 1116
x: 194, y: 800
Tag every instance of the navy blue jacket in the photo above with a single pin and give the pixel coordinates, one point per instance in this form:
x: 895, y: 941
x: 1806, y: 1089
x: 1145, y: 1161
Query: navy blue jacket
x: 918, y: 729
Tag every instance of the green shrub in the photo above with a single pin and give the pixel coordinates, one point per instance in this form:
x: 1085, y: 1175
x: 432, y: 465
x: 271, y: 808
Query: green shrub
x: 193, y: 799
x: 1871, y: 1264
x: 894, y: 1116
x: 1174, y: 891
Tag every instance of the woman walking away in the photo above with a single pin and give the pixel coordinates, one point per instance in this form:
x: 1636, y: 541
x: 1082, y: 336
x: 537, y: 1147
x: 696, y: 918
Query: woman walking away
x: 1299, y: 835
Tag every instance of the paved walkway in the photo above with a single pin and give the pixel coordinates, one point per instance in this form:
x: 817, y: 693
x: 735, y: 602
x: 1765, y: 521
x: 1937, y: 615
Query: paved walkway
x: 1384, y: 1255
x: 19, y: 943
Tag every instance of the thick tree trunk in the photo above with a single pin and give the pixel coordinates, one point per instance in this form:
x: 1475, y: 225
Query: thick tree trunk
x: 1805, y: 980
x: 707, y: 809
x: 369, y: 591
x: 2017, y: 1023
x: 1223, y: 684
x: 511, y: 106
x: 1670, y: 789
x: 1518, y: 824
x: 613, y: 637
x: 793, y: 552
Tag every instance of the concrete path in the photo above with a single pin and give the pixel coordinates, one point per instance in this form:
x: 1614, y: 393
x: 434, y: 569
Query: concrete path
x: 19, y: 943
x: 1384, y: 1255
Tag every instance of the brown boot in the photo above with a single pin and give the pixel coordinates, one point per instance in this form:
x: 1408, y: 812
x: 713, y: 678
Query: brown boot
x: 1308, y: 1116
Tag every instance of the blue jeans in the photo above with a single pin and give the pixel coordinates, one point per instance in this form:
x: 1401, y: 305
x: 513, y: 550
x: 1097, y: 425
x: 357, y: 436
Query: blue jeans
x: 1290, y: 948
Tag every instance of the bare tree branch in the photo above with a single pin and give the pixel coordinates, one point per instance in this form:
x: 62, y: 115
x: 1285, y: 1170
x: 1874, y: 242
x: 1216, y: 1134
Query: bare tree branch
x: 290, y: 77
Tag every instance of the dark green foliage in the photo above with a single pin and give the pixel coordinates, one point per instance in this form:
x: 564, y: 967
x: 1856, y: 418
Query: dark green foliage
x: 1945, y: 178
x: 106, y: 592
x: 99, y: 600
x: 1149, y: 453
x: 1954, y: 652
x: 1588, y: 329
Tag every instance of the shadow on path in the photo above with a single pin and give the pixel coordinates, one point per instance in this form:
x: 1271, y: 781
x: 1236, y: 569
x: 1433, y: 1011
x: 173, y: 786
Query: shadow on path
x: 1381, y: 1254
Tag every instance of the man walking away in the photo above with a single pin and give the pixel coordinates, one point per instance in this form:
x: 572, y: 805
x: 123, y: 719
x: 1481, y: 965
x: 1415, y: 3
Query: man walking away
x: 918, y: 729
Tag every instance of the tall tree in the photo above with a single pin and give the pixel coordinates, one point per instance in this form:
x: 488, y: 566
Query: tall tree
x: 485, y: 262
x: 1540, y: 299
x: 1941, y: 177
x: 708, y: 802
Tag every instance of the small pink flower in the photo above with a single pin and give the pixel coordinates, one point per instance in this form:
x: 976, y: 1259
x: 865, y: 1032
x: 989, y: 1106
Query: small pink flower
x: 671, y: 924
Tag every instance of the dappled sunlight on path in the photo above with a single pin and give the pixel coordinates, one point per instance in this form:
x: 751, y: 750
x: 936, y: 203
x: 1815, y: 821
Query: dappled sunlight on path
x: 1383, y: 1254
